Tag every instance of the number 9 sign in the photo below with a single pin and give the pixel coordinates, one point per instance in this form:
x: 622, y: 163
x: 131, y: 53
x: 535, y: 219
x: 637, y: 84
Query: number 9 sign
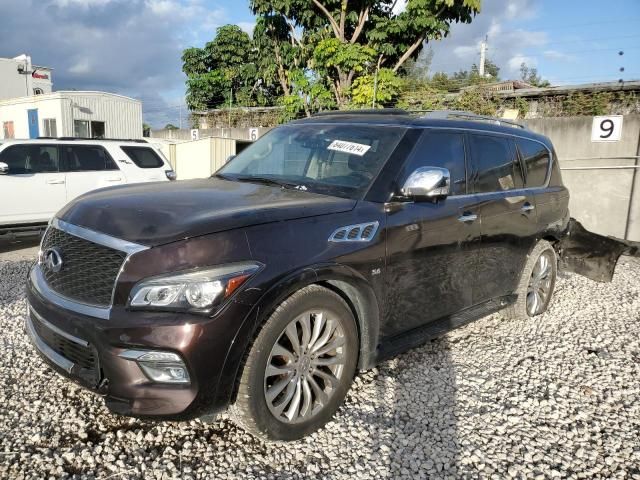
x: 606, y: 129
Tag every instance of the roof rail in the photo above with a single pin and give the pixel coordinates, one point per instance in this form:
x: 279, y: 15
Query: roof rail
x: 462, y: 115
x: 365, y: 111
x: 66, y: 139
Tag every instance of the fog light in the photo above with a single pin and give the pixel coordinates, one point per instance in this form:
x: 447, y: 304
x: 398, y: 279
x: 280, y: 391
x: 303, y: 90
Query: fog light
x: 161, y: 367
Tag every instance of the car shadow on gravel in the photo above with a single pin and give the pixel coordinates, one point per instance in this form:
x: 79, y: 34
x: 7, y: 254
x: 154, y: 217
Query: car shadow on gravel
x: 407, y: 406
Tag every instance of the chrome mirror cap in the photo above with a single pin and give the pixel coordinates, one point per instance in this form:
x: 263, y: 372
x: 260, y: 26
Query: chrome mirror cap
x: 429, y: 182
x: 4, y: 168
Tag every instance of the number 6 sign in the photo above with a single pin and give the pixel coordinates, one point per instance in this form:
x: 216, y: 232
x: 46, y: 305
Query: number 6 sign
x: 606, y: 129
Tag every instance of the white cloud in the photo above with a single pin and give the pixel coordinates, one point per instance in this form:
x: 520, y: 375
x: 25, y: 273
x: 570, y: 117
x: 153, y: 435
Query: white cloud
x: 247, y: 26
x: 82, y: 67
x: 557, y: 55
x: 131, y: 47
x: 506, y: 45
x: 81, y: 3
x: 515, y: 62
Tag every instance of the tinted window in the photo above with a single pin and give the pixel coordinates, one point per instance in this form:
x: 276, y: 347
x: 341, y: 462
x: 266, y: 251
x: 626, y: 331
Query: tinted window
x: 144, y: 157
x: 25, y: 159
x: 496, y: 164
x: 536, y: 160
x: 440, y: 149
x: 84, y: 158
x: 340, y: 160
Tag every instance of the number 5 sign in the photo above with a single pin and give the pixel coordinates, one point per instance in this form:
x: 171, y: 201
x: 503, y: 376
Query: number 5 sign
x: 606, y: 129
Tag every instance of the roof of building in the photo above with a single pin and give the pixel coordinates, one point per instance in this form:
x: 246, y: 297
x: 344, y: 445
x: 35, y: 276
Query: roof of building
x: 567, y: 89
x: 65, y: 94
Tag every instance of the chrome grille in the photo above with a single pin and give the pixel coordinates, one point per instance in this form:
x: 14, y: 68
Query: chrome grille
x: 88, y: 272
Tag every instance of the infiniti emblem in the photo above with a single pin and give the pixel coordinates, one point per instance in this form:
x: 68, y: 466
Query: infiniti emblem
x: 53, y: 259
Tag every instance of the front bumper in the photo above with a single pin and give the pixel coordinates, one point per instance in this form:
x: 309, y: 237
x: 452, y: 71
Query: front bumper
x: 87, y: 350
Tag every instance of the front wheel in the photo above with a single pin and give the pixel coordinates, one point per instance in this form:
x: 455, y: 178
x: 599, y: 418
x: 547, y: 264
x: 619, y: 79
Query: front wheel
x: 300, y: 366
x: 537, y: 283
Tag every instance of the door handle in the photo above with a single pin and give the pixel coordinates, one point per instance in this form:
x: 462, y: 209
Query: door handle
x: 468, y: 217
x: 55, y: 181
x: 527, y: 207
x: 114, y: 179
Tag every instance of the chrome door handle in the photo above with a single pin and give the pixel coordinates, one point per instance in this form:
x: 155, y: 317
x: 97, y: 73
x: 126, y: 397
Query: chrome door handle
x: 470, y: 217
x: 527, y: 207
x: 56, y: 181
x: 114, y: 179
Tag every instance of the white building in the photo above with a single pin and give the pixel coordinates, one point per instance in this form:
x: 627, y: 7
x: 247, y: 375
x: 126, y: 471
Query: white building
x: 19, y: 78
x: 71, y: 114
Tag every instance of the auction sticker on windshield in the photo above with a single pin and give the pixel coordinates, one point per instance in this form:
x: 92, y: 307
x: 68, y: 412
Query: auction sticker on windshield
x: 349, y: 147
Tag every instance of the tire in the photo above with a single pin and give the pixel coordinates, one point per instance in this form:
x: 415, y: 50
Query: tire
x: 317, y: 380
x: 525, y: 306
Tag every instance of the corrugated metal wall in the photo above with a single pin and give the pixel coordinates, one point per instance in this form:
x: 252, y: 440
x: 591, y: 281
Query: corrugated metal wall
x: 122, y: 116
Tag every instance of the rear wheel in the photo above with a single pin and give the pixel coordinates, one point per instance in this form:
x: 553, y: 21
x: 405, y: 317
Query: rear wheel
x: 537, y: 283
x: 300, y: 366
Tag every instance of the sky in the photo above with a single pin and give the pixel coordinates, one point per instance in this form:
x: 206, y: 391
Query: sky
x: 133, y: 47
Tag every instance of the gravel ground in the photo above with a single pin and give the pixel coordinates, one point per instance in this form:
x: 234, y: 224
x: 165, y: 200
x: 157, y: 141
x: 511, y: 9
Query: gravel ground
x: 558, y: 396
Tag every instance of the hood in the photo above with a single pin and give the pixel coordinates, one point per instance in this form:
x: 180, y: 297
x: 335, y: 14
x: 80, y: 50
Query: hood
x: 157, y: 213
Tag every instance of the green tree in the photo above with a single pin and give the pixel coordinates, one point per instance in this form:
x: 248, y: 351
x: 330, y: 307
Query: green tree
x: 170, y: 126
x: 387, y: 88
x: 308, y: 94
x: 221, y: 71
x: 346, y: 39
x: 530, y: 75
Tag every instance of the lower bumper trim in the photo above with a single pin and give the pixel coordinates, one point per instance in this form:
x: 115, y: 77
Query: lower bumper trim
x: 47, y: 351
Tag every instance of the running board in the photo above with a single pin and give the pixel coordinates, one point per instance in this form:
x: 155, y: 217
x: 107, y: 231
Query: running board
x: 420, y: 335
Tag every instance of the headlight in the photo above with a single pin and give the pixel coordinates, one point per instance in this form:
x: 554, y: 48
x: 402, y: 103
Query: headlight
x: 196, y: 290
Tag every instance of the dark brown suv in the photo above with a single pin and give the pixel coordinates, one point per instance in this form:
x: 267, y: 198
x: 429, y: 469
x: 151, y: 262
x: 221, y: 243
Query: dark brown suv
x: 329, y: 244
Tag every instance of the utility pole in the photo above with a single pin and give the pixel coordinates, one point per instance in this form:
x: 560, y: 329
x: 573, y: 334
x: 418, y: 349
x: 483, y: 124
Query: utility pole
x: 483, y: 55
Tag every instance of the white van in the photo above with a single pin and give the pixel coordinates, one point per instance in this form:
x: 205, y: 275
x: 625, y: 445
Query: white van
x: 38, y: 177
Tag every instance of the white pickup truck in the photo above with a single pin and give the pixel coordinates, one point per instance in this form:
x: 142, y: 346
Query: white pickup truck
x: 38, y: 177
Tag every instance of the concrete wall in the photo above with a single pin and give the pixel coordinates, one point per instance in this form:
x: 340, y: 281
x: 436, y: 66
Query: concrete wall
x: 603, y: 178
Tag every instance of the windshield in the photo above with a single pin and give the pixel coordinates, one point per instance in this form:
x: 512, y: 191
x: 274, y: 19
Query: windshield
x: 340, y: 160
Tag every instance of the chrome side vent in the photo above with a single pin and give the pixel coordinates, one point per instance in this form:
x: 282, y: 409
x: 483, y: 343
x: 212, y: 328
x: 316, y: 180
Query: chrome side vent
x: 361, y: 232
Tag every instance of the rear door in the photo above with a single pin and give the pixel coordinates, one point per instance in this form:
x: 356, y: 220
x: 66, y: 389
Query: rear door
x: 507, y: 211
x: 431, y: 245
x: 89, y: 167
x: 34, y: 188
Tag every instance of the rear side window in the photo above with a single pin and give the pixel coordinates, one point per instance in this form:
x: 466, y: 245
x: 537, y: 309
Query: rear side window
x: 87, y: 158
x: 536, y: 160
x: 496, y: 164
x: 440, y: 149
x: 144, y: 157
x: 26, y: 159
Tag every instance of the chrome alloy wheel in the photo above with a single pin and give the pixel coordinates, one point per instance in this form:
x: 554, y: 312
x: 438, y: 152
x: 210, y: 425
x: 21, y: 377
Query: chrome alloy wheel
x: 540, y: 284
x: 305, y: 366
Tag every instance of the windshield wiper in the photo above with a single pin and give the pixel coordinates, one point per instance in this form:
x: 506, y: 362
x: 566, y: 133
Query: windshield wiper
x: 268, y: 181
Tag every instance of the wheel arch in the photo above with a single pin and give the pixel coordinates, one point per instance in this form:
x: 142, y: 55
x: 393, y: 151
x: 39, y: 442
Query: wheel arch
x: 343, y: 280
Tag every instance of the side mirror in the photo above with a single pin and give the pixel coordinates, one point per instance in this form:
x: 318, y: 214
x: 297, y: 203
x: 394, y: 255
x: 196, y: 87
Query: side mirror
x: 4, y: 168
x: 427, y: 182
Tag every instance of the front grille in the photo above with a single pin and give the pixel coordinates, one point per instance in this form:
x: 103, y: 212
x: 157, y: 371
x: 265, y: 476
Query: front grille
x: 88, y: 272
x: 84, y: 357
